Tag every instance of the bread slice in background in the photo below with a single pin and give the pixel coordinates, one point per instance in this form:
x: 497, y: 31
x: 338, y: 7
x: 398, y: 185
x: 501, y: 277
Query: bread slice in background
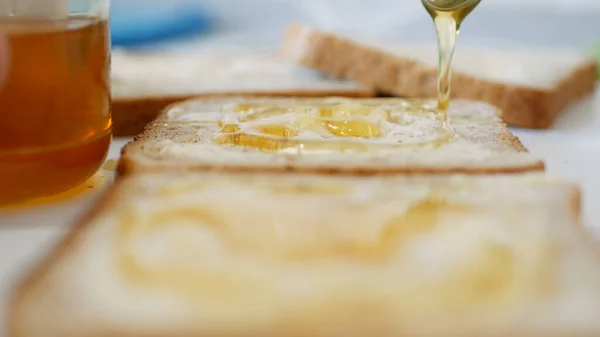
x: 317, y: 256
x: 145, y: 83
x: 182, y: 139
x: 530, y: 87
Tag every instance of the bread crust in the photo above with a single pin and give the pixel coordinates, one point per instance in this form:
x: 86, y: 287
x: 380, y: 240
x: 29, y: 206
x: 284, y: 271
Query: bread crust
x: 521, y: 106
x: 130, y: 164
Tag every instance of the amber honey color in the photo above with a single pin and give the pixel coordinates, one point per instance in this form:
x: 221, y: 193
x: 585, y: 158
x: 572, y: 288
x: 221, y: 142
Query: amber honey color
x: 55, y: 118
x: 328, y: 127
x: 448, y: 16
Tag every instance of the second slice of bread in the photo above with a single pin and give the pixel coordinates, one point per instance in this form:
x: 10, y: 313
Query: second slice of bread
x: 530, y: 87
x: 182, y: 139
x: 145, y: 83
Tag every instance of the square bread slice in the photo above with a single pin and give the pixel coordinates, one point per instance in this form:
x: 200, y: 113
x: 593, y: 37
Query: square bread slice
x: 531, y: 87
x: 328, y: 135
x: 237, y: 255
x: 143, y: 84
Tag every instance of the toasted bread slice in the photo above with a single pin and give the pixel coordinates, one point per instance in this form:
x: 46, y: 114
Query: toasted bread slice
x: 206, y: 254
x: 144, y: 84
x: 332, y: 135
x: 530, y: 87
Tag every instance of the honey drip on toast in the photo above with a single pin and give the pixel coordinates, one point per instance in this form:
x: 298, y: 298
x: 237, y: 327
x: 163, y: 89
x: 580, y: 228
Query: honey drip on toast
x: 329, y: 126
x: 448, y: 16
x: 488, y: 276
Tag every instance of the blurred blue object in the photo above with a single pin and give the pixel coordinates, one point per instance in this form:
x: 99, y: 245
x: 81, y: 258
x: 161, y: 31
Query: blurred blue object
x: 136, y: 23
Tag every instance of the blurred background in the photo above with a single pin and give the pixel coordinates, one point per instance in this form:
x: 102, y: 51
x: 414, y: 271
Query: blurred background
x: 258, y: 24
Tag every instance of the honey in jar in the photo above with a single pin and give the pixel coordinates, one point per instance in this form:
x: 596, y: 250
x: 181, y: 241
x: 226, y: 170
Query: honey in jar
x: 55, y: 122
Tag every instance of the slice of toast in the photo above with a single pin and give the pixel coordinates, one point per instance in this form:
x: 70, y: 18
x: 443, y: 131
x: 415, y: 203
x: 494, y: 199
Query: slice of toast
x: 331, y: 135
x: 319, y: 256
x: 530, y: 87
x: 143, y: 84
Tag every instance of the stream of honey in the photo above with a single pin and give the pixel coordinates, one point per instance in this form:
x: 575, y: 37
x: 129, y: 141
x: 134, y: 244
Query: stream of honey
x: 448, y: 16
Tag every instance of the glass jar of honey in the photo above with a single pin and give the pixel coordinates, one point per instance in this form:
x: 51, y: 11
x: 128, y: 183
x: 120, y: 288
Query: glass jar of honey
x: 55, y: 119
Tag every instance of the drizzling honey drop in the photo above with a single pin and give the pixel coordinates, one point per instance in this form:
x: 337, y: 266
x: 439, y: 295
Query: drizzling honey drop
x: 448, y: 16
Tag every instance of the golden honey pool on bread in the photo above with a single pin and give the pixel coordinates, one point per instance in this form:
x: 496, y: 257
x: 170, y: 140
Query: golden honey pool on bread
x: 237, y: 255
x: 328, y: 135
x: 531, y: 87
x: 145, y: 83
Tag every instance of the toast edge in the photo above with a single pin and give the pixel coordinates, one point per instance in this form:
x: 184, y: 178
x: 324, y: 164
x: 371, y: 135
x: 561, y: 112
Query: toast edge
x: 42, y: 266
